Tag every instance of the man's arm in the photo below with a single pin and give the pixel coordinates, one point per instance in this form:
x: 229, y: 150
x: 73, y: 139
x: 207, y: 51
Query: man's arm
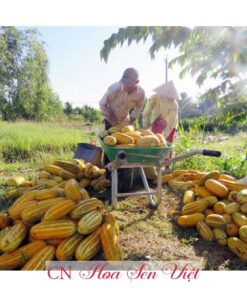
x: 106, y: 108
x: 138, y: 108
x: 103, y: 104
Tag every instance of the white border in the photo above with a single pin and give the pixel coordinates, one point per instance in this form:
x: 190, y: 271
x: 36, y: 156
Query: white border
x: 122, y: 12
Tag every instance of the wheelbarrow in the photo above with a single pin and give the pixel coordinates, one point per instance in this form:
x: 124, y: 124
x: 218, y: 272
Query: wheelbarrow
x: 140, y: 158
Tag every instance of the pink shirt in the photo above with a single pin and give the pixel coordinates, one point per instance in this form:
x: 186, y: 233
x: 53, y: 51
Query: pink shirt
x: 119, y: 102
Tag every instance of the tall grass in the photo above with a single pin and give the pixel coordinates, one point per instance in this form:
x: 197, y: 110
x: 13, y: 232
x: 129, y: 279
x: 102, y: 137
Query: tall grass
x: 29, y: 145
x: 232, y: 161
x: 38, y: 142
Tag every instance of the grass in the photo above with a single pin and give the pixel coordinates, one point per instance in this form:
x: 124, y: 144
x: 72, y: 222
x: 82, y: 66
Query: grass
x: 27, y: 145
x: 233, y: 149
x: 20, y: 141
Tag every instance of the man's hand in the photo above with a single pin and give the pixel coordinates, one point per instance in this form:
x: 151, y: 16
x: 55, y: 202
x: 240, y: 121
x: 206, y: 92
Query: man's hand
x: 112, y: 118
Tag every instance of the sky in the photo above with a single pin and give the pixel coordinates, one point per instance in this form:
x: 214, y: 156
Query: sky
x: 78, y: 74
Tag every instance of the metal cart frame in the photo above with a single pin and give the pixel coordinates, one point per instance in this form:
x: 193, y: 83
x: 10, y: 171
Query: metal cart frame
x: 121, y: 162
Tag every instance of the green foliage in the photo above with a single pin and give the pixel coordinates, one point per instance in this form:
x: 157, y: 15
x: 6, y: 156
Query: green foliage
x: 234, y: 156
x: 68, y: 109
x: 187, y: 108
x: 207, y: 53
x: 90, y: 114
x: 86, y: 113
x: 161, y: 36
x: 229, y: 123
x: 235, y: 165
x: 25, y: 91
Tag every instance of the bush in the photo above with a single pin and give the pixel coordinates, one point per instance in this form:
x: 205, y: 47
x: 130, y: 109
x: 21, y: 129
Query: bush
x: 215, y: 123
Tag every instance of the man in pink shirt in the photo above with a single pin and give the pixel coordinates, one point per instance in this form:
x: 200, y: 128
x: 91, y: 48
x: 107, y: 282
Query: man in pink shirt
x: 123, y: 101
x: 122, y: 105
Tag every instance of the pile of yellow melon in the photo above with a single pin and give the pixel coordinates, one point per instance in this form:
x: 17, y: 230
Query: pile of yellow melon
x: 128, y: 136
x: 214, y: 203
x: 57, y: 174
x: 54, y: 218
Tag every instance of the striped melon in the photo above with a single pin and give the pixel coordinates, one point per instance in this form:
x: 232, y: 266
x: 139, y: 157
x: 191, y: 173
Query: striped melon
x: 89, y: 247
x: 38, y: 261
x: 216, y: 188
x: 89, y: 222
x: 20, y: 256
x: 190, y: 220
x: 85, y: 207
x: 59, y: 210
x: 205, y: 231
x: 53, y: 229
x: 239, y: 219
x: 11, y: 240
x: 220, y: 236
x: 215, y: 220
x: 66, y: 249
x: 238, y: 247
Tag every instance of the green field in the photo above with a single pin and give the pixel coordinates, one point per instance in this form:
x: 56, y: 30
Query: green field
x: 27, y: 145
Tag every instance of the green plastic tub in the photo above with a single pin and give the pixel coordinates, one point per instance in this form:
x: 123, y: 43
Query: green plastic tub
x: 137, y: 154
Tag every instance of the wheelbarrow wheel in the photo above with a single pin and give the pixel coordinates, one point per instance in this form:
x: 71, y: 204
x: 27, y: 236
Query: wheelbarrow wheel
x: 153, y: 206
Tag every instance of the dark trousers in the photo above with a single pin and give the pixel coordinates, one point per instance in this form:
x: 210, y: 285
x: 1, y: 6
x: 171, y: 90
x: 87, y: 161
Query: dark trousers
x: 107, y: 124
x: 125, y: 176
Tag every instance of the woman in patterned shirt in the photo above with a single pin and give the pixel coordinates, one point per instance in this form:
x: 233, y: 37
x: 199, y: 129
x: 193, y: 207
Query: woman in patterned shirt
x: 162, y: 111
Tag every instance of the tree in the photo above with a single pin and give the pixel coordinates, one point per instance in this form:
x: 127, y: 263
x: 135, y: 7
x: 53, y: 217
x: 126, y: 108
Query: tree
x: 90, y: 114
x: 25, y: 90
x: 216, y: 53
x: 68, y: 109
x: 11, y: 44
x: 77, y: 110
x: 85, y: 113
x: 187, y: 108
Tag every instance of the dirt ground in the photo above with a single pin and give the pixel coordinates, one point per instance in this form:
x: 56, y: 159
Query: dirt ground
x: 148, y: 234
